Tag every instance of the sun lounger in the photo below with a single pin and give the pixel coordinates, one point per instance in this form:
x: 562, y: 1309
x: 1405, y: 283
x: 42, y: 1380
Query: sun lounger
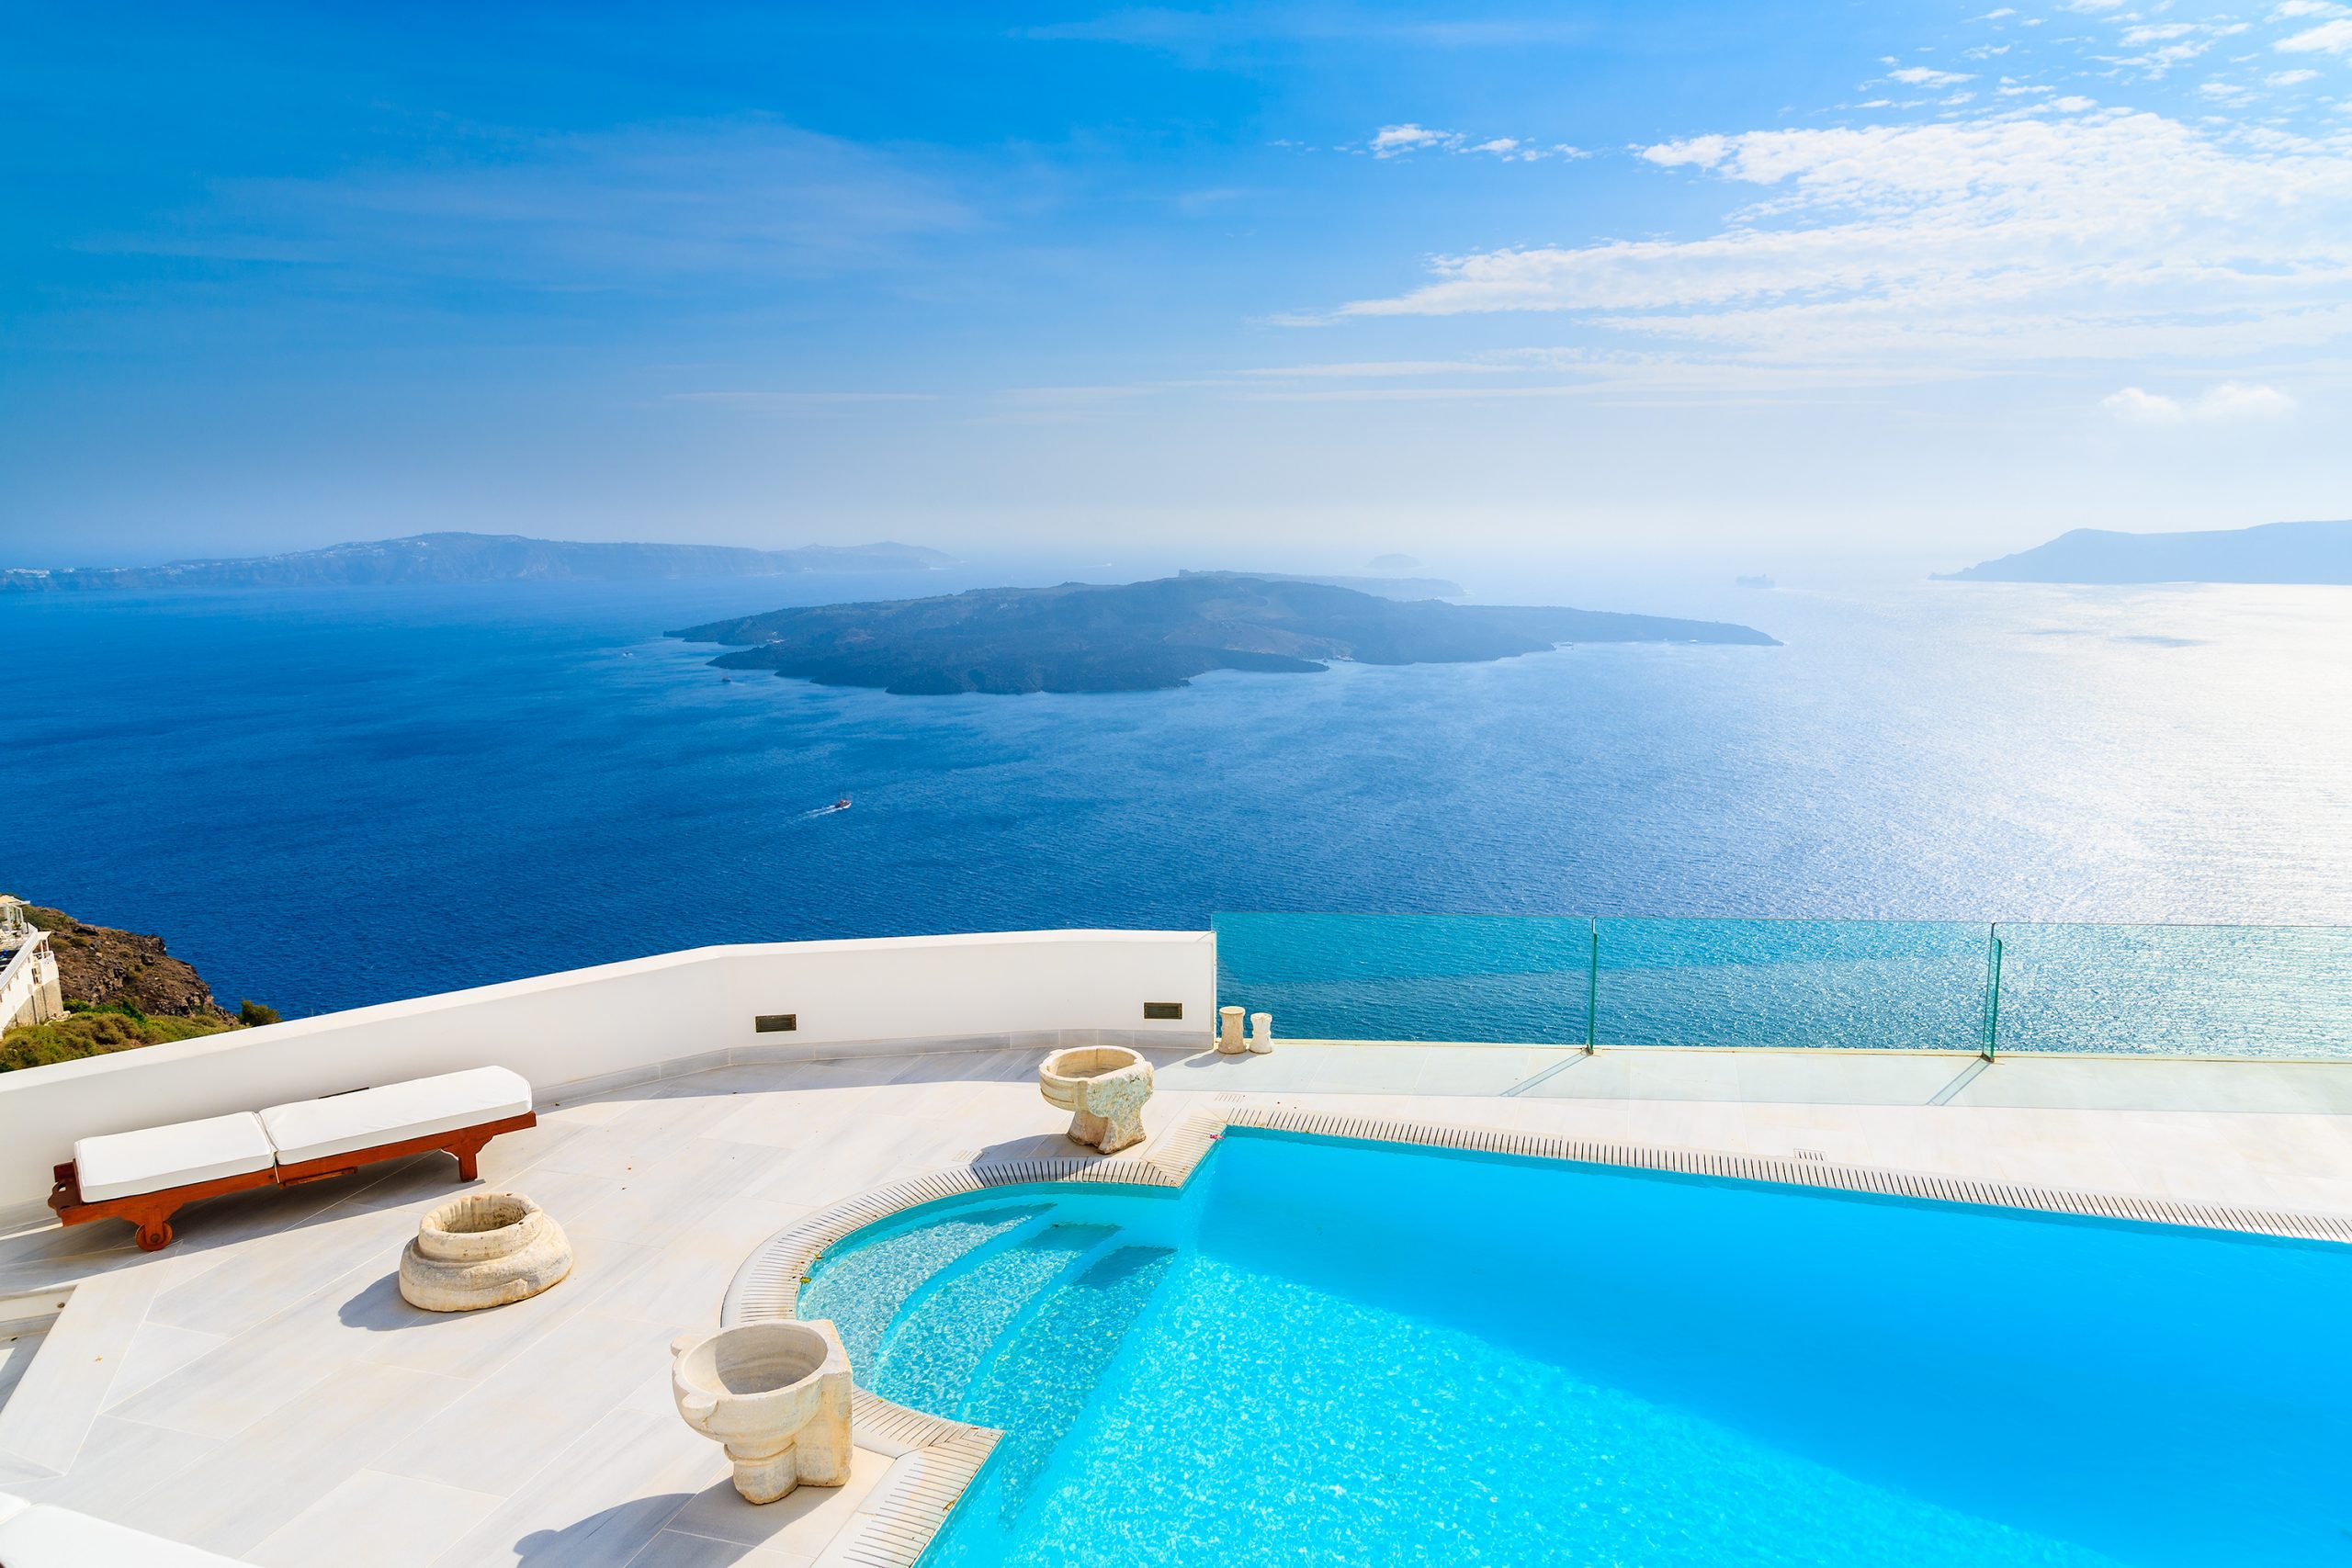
x: 145, y: 1177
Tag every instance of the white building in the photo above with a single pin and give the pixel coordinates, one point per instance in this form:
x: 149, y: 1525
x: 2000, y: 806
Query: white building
x: 29, y: 992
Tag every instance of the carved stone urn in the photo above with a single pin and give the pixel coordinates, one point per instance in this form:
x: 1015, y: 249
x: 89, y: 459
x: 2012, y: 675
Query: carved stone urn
x: 1261, y: 1033
x: 1104, y: 1088
x: 1228, y: 1032
x: 777, y: 1395
x: 483, y: 1249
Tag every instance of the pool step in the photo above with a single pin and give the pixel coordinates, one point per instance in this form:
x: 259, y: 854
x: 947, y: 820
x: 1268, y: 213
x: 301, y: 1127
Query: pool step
x: 929, y: 1357
x: 1039, y: 1380
x: 866, y: 1288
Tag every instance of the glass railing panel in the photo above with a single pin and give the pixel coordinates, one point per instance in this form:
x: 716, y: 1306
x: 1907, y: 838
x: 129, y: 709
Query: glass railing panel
x: 1887, y: 985
x: 1479, y: 978
x: 2251, y: 992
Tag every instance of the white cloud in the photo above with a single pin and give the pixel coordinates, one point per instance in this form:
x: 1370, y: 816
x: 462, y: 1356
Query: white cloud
x: 2288, y: 10
x: 2230, y: 402
x: 748, y: 198
x: 1381, y: 369
x: 2290, y: 78
x: 2157, y: 61
x: 2328, y: 37
x: 1704, y: 150
x: 1928, y: 76
x: 1392, y: 140
x: 1395, y: 140
x: 2156, y: 32
x: 1984, y: 244
x: 1995, y: 15
x: 2235, y: 399
x: 2073, y: 104
x: 2090, y: 4
x: 2134, y: 405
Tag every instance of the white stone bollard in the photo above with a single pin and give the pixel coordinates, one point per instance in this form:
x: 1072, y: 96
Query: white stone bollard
x: 1261, y: 1033
x: 1228, y: 1032
x: 776, y: 1394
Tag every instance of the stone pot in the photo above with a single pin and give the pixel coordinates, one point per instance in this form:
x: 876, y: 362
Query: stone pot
x: 1104, y: 1088
x: 777, y: 1395
x: 483, y: 1249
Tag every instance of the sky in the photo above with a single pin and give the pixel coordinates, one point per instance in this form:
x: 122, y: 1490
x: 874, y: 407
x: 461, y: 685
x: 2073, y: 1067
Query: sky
x: 1252, y: 283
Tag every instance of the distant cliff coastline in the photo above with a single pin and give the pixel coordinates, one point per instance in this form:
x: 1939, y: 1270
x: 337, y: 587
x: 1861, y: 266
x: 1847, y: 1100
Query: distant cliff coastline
x: 2272, y: 552
x: 478, y: 557
x: 1150, y: 636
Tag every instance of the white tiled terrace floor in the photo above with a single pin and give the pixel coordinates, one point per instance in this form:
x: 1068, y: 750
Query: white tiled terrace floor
x: 260, y: 1389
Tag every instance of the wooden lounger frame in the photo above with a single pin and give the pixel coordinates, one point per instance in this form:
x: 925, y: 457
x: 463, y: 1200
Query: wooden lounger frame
x: 152, y: 1211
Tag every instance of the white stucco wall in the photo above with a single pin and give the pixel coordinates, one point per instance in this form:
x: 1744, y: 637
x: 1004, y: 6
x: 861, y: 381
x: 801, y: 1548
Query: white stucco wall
x: 29, y: 986
x: 620, y: 1019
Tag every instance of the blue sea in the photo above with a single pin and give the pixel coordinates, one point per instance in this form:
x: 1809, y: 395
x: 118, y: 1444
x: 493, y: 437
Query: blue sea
x: 332, y: 797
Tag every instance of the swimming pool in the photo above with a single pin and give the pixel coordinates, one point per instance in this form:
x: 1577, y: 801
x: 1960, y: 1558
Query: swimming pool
x: 1328, y: 1351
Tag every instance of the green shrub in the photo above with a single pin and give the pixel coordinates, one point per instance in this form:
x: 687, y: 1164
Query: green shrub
x: 123, y: 1009
x: 253, y: 1014
x: 96, y: 1031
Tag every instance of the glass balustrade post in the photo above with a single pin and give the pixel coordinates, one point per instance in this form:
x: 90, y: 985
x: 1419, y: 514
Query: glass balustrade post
x: 1593, y: 996
x: 1992, y: 991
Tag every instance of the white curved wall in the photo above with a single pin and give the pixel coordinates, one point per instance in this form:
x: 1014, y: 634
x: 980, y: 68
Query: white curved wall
x: 620, y: 1022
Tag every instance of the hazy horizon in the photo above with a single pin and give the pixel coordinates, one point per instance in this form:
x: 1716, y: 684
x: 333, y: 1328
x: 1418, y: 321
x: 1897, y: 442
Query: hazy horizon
x: 1316, y: 281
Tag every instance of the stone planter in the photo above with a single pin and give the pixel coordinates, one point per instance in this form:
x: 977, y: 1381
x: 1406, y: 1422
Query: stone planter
x: 1104, y: 1088
x: 484, y: 1249
x: 1228, y: 1032
x: 1261, y: 1033
x: 776, y: 1396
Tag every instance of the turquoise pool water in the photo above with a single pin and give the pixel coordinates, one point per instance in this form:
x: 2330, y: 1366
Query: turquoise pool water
x: 1330, y: 1352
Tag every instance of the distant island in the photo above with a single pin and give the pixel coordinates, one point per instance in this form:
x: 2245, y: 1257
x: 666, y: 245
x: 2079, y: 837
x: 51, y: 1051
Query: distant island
x: 477, y: 557
x: 1151, y: 635
x: 1384, y: 587
x: 2272, y: 552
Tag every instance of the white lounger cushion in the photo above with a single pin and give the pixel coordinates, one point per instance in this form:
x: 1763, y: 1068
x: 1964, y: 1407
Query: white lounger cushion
x: 121, y: 1164
x: 314, y: 1129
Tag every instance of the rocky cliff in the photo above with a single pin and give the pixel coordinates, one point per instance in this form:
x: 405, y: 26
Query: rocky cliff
x: 100, y: 966
x: 123, y: 989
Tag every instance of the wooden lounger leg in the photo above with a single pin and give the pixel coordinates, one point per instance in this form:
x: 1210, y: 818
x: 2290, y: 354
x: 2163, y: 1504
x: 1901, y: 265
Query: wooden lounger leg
x: 155, y: 1227
x: 468, y: 1146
